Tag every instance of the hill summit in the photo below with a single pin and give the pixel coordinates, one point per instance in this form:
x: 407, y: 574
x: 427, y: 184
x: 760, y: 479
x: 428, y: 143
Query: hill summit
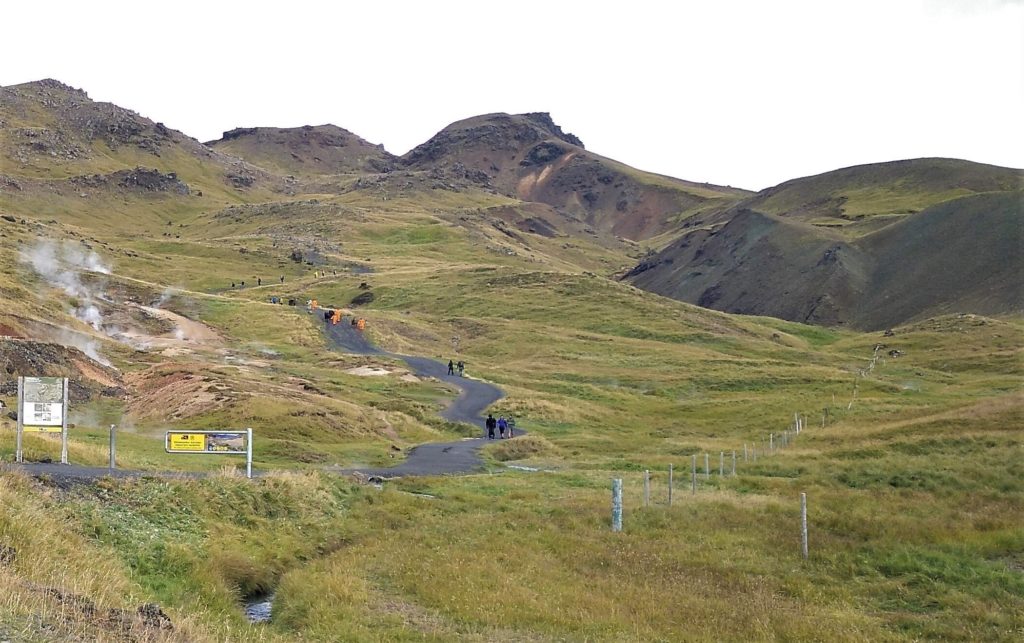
x: 319, y: 149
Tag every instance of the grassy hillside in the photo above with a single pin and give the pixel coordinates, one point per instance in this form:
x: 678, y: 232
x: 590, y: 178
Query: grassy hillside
x: 911, y: 457
x: 323, y: 149
x: 883, y: 189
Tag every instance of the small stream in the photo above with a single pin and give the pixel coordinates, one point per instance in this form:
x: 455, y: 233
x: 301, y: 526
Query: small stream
x: 257, y: 608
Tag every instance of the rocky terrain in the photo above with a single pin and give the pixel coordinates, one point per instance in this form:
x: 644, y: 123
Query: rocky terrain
x: 321, y: 149
x: 529, y: 157
x: 853, y: 247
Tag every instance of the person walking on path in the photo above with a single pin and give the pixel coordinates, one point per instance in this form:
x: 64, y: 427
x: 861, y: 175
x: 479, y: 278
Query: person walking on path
x: 462, y: 367
x: 451, y: 367
x: 511, y: 427
x: 490, y: 424
x: 502, y: 425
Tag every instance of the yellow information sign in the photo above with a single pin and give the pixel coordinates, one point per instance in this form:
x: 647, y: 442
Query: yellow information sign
x: 42, y: 429
x: 186, y: 442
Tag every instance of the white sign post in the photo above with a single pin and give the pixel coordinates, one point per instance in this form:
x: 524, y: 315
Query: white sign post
x: 43, y: 408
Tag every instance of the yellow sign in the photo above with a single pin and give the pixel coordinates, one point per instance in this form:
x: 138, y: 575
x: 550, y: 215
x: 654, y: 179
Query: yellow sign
x: 186, y: 442
x: 42, y: 429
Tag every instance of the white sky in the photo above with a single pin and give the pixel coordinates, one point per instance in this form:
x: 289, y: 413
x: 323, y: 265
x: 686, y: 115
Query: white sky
x: 744, y: 93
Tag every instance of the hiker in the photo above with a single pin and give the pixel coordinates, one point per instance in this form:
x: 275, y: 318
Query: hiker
x: 232, y: 284
x: 490, y: 424
x: 243, y: 284
x: 502, y: 425
x: 282, y: 278
x: 451, y: 367
x: 462, y: 367
x: 259, y: 281
x: 511, y: 427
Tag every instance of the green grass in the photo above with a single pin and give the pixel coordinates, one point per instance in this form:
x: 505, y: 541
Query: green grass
x: 914, y: 485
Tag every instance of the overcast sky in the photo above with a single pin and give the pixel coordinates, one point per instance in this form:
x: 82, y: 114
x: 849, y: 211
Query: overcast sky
x: 744, y: 93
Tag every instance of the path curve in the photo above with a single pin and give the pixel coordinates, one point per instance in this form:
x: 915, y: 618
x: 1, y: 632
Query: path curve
x: 432, y: 458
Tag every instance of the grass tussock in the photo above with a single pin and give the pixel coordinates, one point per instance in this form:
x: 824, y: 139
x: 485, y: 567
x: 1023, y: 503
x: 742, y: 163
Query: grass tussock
x: 527, y: 446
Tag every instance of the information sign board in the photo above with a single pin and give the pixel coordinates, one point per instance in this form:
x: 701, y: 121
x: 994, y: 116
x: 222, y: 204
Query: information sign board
x: 43, y: 408
x: 212, y: 442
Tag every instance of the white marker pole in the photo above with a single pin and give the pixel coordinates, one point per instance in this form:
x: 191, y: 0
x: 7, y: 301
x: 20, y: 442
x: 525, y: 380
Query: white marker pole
x: 721, y: 464
x: 647, y: 487
x: 707, y: 467
x: 617, y: 504
x: 803, y: 523
x: 734, y: 463
x: 248, y: 453
x: 113, y: 446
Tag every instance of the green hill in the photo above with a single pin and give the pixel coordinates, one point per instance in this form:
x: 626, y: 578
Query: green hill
x: 146, y: 267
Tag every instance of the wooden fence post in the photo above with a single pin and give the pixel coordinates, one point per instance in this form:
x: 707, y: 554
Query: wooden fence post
x: 734, y: 463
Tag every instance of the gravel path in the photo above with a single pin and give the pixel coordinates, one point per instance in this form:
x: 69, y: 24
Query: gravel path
x: 431, y: 459
x: 435, y: 458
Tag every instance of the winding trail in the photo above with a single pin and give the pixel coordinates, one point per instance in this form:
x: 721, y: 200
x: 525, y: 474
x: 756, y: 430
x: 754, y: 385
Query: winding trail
x: 430, y: 459
x: 433, y: 458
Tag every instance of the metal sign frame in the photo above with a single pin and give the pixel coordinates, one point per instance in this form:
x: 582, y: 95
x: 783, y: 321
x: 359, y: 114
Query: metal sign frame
x: 18, y: 452
x: 248, y: 445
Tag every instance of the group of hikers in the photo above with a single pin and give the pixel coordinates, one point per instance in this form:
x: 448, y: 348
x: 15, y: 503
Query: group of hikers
x: 259, y: 282
x: 502, y: 425
x: 460, y: 365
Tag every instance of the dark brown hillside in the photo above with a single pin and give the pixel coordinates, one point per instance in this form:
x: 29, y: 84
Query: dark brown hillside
x: 529, y: 157
x: 963, y: 255
x: 320, y: 149
x: 760, y: 264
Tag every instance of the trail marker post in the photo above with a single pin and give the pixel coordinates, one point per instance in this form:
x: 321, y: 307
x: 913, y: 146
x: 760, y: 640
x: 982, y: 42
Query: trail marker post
x: 771, y: 442
x: 707, y: 467
x: 670, y: 472
x: 113, y: 446
x: 617, y: 504
x: 733, y: 463
x: 744, y: 452
x: 693, y: 472
x: 647, y: 487
x: 803, y: 524
x: 721, y: 464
